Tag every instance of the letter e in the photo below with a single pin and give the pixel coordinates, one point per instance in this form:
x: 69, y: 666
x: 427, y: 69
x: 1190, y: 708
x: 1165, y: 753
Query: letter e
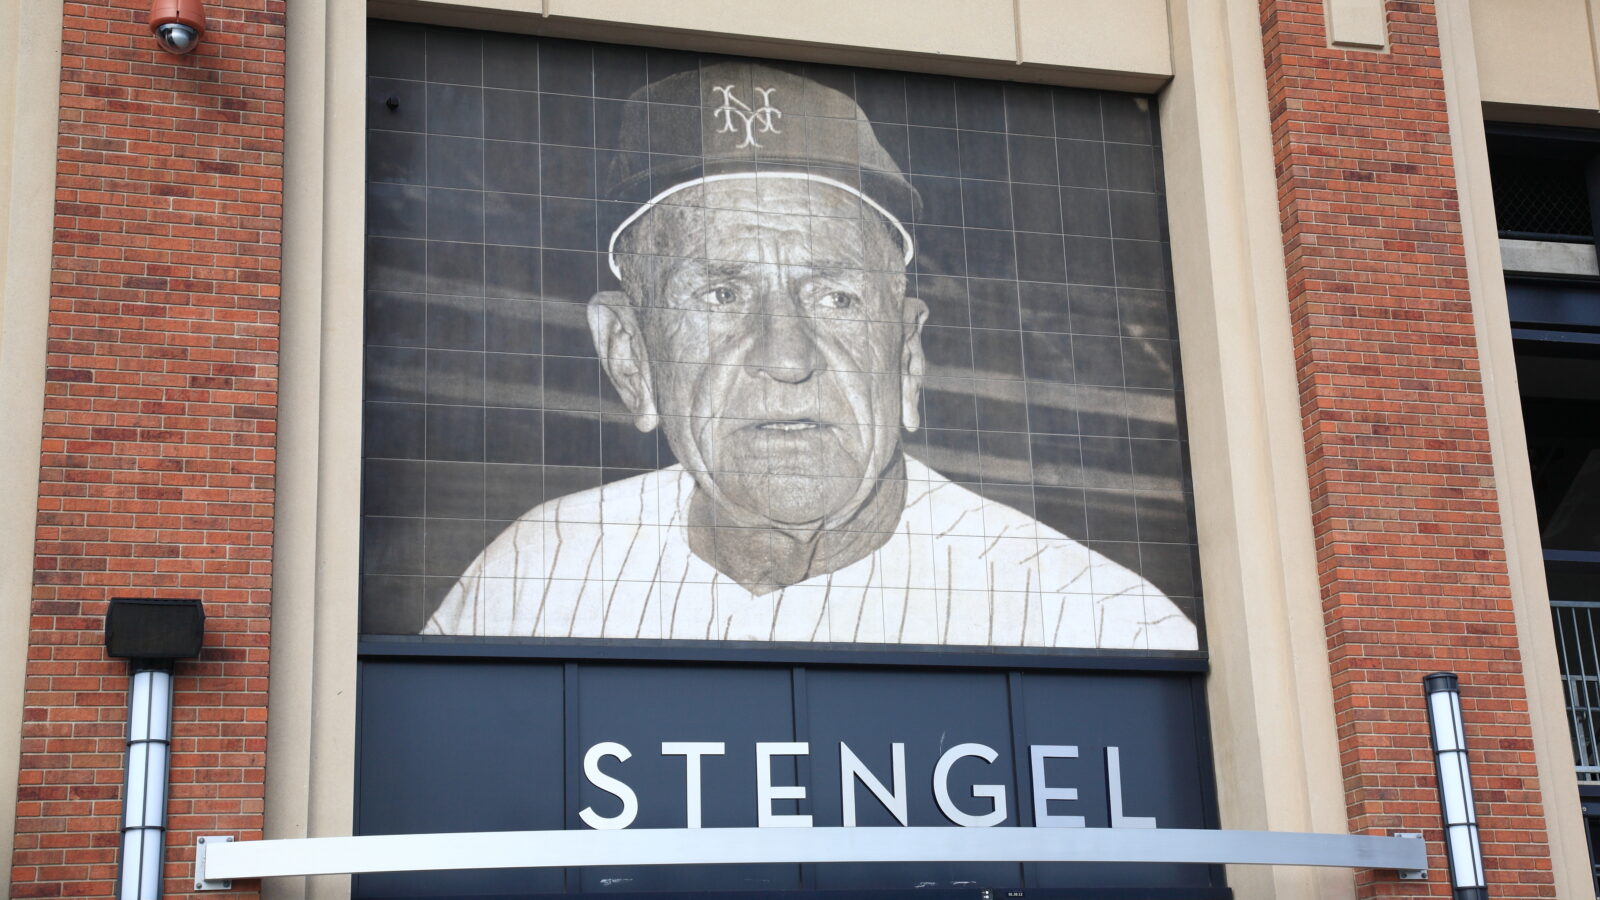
x: 1044, y: 793
x: 766, y: 791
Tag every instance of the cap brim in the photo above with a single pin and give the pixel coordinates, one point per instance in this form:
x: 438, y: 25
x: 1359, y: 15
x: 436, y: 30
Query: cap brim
x: 875, y: 206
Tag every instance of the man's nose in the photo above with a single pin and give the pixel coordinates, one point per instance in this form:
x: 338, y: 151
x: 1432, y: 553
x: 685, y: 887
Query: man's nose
x: 784, y: 347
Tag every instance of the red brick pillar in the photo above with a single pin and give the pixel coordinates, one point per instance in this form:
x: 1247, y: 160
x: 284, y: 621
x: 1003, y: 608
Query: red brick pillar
x: 156, y: 474
x: 1410, y: 550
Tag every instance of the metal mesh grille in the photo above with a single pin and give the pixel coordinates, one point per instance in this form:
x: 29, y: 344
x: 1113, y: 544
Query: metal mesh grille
x: 1578, y: 639
x: 1541, y: 196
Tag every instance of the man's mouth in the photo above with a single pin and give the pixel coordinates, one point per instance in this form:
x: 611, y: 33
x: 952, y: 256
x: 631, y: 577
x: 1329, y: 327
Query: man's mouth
x: 789, y: 425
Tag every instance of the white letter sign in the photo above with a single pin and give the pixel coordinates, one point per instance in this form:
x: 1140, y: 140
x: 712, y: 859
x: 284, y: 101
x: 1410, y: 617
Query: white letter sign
x: 691, y: 751
x: 1114, y: 794
x: 591, y: 771
x: 766, y: 792
x: 941, y: 788
x: 852, y: 768
x: 1043, y: 793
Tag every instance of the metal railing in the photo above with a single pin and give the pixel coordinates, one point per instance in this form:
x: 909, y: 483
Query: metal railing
x: 1577, y: 624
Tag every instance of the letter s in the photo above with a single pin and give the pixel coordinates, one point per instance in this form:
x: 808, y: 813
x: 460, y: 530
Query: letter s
x: 591, y: 771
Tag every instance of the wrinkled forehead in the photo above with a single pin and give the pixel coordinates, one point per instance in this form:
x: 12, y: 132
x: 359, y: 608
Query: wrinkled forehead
x: 773, y: 221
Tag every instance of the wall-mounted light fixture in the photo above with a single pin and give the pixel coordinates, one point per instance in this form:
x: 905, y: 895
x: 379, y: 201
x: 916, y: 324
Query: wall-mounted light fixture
x: 151, y: 634
x: 178, y: 24
x: 1449, y: 737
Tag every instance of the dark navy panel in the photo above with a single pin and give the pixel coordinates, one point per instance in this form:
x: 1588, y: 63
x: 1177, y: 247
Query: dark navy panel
x: 903, y: 656
x: 482, y: 745
x: 642, y: 706
x: 929, y: 712
x: 1152, y: 723
x: 459, y: 746
x: 1569, y: 304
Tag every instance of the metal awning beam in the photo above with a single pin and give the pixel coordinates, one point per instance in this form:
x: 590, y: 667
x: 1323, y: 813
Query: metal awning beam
x: 693, y: 846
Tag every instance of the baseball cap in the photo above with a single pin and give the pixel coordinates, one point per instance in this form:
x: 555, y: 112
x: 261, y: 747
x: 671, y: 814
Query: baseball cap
x: 739, y: 120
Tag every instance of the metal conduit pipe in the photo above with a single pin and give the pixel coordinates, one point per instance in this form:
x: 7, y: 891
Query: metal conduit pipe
x: 144, y: 808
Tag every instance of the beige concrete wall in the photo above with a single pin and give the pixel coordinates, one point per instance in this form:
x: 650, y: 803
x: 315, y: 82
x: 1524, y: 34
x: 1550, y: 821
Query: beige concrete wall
x: 311, y: 714
x: 1271, y: 704
x: 1361, y: 24
x: 30, y: 75
x: 1459, y: 35
x: 1089, y: 43
x: 1271, y: 700
x: 1536, y: 59
x: 1548, y: 257
x: 1270, y: 690
x: 1127, y: 37
x: 979, y: 29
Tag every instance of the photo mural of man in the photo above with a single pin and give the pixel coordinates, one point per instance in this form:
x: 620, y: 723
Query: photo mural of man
x: 764, y: 326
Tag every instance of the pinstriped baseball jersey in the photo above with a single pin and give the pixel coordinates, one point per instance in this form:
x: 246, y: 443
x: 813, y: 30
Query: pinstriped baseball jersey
x: 615, y: 562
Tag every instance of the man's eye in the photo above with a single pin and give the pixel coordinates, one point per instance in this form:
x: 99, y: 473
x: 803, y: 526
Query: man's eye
x: 719, y: 296
x: 839, y: 300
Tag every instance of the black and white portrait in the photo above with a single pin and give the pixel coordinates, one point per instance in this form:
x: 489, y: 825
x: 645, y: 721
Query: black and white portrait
x: 667, y: 346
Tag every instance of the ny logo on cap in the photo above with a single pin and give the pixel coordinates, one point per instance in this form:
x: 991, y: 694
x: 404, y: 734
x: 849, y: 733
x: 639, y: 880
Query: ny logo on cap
x: 759, y: 120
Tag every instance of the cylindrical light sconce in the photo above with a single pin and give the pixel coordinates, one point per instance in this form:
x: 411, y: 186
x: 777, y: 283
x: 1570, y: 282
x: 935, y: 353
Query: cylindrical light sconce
x: 144, y: 808
x: 151, y: 634
x: 1449, y: 738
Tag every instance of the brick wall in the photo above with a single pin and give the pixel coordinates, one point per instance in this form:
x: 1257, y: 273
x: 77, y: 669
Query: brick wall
x: 157, y: 464
x: 156, y: 474
x: 1410, y: 550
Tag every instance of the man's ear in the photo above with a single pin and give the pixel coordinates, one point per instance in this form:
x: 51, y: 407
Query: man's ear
x: 912, y: 363
x: 619, y: 339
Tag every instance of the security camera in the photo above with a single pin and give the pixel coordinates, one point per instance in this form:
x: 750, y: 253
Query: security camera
x: 176, y: 37
x: 178, y: 24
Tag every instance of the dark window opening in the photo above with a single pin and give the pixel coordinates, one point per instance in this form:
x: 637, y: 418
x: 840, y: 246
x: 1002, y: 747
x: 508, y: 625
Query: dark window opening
x: 1544, y: 179
x: 1541, y: 181
x: 1563, y: 429
x: 1591, y: 825
x: 1558, y: 367
x: 1542, y: 198
x: 1560, y: 383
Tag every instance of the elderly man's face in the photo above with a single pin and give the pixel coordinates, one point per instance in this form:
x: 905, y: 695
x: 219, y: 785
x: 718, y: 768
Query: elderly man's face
x: 780, y: 351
